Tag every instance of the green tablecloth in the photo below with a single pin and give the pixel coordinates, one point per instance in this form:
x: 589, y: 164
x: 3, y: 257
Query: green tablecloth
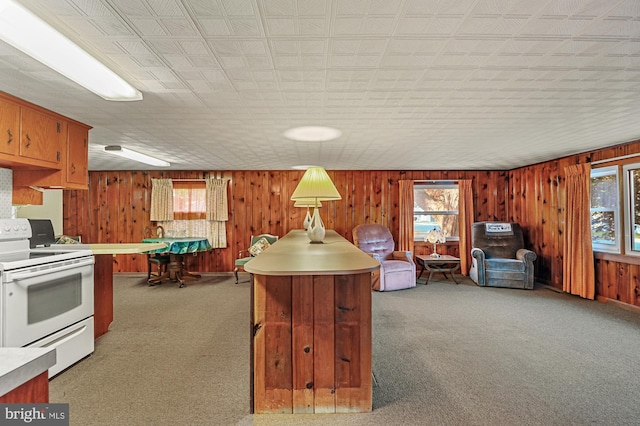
x: 180, y: 245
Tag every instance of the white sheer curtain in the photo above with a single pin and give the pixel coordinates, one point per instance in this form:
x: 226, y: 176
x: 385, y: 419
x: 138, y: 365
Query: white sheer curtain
x: 161, y: 200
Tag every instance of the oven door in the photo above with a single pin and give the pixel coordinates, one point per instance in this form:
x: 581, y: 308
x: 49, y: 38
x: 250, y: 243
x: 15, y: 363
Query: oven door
x: 41, y: 300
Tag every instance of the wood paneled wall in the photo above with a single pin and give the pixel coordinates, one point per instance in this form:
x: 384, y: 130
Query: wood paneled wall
x: 115, y: 209
x: 537, y: 200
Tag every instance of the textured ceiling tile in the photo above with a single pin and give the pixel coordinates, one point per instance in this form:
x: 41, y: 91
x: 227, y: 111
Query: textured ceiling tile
x: 149, y: 27
x: 245, y: 27
x: 408, y: 81
x: 214, y: 27
x: 281, y: 26
x: 279, y: 7
x: 239, y: 7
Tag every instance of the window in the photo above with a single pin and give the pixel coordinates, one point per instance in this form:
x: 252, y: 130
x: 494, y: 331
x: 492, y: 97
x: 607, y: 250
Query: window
x: 189, y: 200
x: 605, y: 216
x: 632, y: 207
x: 435, y: 206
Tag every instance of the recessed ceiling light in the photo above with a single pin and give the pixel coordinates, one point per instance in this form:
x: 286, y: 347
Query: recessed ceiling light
x: 312, y: 134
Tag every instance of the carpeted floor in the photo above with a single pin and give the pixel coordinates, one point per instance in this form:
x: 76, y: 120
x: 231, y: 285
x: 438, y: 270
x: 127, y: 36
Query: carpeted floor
x: 443, y: 354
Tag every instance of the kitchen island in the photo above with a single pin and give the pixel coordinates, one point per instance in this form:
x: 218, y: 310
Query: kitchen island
x: 103, y: 279
x: 311, y: 326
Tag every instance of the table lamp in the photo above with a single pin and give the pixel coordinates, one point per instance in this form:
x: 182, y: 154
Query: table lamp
x: 434, y: 237
x: 316, y: 185
x: 307, y: 203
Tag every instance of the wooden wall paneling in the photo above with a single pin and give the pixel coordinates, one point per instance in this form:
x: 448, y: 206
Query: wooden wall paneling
x: 334, y: 213
x: 139, y: 213
x: 541, y: 221
x: 126, y: 219
x: 239, y: 238
x: 634, y: 288
x: 280, y: 202
x: 482, y: 192
x: 376, y: 198
x: 613, y: 280
x: 599, y: 278
x: 623, y: 285
x: 392, y: 219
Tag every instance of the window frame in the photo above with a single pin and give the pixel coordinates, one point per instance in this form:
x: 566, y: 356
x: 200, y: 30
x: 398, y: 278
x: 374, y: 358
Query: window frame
x: 617, y: 247
x: 628, y: 204
x: 437, y: 185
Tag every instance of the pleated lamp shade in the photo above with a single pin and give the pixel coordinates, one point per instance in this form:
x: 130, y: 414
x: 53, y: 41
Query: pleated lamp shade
x: 315, y: 185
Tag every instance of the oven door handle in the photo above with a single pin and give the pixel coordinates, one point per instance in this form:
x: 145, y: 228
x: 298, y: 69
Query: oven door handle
x: 22, y: 275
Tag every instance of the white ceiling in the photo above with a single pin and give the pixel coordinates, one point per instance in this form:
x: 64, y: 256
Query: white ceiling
x: 412, y: 84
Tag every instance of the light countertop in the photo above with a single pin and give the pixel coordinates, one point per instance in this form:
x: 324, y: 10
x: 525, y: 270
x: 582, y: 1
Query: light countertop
x: 19, y: 365
x: 295, y: 255
x: 110, y: 248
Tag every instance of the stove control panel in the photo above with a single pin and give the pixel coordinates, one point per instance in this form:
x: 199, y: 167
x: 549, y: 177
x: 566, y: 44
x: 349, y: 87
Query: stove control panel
x: 14, y: 229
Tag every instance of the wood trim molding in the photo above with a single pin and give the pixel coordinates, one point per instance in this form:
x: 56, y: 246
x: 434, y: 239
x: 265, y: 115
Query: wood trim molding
x: 620, y: 258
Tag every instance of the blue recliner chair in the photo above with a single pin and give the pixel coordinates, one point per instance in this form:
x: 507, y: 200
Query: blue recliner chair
x: 499, y: 258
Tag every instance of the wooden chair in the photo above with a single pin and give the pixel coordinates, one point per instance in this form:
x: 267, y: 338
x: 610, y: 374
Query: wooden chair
x: 160, y: 260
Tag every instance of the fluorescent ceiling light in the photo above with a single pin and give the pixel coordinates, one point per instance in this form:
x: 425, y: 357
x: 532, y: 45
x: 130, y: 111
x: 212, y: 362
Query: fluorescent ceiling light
x: 133, y: 155
x: 313, y: 134
x: 26, y: 32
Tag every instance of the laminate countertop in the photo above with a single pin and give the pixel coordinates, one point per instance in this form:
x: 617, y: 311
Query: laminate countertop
x: 110, y: 248
x: 19, y: 365
x: 295, y: 255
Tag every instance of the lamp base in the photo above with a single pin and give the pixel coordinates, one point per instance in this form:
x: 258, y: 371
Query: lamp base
x: 316, y: 231
x: 307, y: 219
x: 434, y: 255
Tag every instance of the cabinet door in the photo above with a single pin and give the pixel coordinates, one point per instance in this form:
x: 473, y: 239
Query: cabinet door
x: 42, y: 137
x: 9, y: 127
x: 77, y: 154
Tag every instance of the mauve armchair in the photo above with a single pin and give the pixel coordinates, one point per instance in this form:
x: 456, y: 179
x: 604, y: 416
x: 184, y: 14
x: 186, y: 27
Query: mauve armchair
x: 499, y: 258
x: 397, y: 270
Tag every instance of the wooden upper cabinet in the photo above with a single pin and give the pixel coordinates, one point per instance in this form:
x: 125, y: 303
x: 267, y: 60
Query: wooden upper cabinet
x: 77, y: 154
x: 42, y: 137
x: 44, y: 149
x: 9, y: 127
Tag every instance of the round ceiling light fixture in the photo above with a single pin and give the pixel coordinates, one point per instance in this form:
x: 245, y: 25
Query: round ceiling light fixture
x: 313, y: 134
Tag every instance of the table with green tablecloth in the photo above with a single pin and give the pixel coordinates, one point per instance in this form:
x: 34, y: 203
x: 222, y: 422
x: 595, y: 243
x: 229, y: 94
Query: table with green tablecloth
x: 177, y: 247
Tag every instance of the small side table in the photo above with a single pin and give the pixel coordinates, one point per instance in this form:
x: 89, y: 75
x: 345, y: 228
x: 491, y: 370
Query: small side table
x: 444, y: 264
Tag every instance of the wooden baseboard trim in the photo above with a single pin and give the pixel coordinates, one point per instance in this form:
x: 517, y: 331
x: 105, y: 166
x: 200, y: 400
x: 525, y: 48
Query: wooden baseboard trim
x: 626, y: 306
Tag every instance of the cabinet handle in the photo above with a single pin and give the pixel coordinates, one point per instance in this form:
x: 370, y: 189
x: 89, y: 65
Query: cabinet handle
x: 58, y: 156
x: 10, y: 136
x: 28, y: 140
x: 73, y: 169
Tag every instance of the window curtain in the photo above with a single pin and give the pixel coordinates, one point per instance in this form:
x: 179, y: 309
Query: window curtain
x: 217, y: 211
x: 577, y: 264
x: 465, y: 220
x: 161, y: 200
x: 405, y: 239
